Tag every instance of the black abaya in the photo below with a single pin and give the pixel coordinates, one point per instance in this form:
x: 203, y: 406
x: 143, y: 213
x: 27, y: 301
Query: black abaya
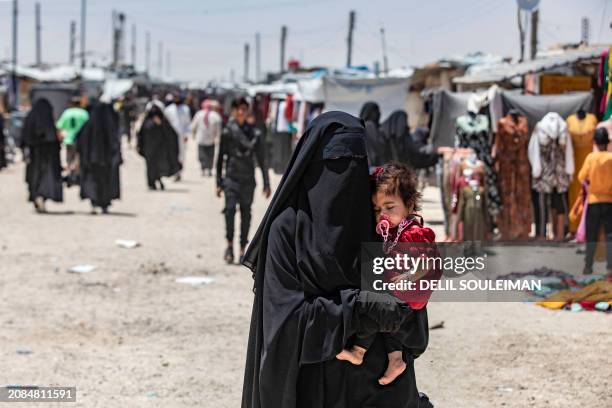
x: 402, y: 145
x: 39, y: 139
x: 376, y: 145
x: 99, y: 147
x: 305, y: 260
x: 158, y: 144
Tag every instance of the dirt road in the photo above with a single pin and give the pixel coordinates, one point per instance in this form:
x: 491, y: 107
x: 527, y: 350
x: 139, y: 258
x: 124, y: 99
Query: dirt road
x: 126, y: 334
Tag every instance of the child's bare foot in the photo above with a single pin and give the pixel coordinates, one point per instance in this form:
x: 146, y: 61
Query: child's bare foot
x: 353, y: 356
x: 394, y: 369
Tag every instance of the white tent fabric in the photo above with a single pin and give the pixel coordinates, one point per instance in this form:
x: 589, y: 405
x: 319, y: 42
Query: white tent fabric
x: 349, y: 94
x: 115, y: 88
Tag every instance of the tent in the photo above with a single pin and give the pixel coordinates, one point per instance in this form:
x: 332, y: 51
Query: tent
x: 448, y: 106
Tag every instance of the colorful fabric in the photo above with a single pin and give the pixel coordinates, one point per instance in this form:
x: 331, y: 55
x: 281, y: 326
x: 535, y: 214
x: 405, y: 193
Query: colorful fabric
x: 512, y: 164
x: 71, y: 122
x: 551, y: 155
x: 473, y: 133
x: 581, y: 132
x: 600, y: 291
x: 608, y: 112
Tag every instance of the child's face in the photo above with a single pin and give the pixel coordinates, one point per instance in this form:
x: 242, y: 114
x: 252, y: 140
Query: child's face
x: 392, y: 206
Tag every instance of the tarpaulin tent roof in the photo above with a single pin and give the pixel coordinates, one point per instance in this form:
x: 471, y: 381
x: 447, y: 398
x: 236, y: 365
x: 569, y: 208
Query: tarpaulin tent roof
x: 349, y: 94
x: 503, y: 72
x: 60, y: 73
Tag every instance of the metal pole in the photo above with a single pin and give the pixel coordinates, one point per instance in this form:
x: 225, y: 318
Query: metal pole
x: 257, y: 58
x: 72, y: 41
x: 535, y: 15
x: 384, y: 50
x: 38, y: 43
x: 148, y: 52
x: 168, y: 64
x: 83, y: 27
x: 282, y: 50
x: 246, y: 63
x: 349, y: 40
x: 14, y: 83
x: 160, y: 59
x: 134, y: 46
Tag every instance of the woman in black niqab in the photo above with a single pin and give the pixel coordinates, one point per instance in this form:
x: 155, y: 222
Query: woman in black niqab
x: 403, y: 147
x: 42, y: 148
x: 306, y: 266
x: 99, y: 147
x: 158, y: 144
x: 375, y: 140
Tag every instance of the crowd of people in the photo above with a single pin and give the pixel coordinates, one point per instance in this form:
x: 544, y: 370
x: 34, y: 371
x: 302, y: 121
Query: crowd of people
x: 91, y: 136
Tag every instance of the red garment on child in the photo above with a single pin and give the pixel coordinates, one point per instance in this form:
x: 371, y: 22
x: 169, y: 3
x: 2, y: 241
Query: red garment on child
x: 426, y: 240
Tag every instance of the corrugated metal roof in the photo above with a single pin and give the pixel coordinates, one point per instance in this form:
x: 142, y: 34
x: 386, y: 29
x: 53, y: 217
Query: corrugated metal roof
x: 502, y: 72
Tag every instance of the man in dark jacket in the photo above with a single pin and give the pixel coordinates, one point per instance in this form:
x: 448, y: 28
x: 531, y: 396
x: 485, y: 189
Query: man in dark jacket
x: 241, y: 147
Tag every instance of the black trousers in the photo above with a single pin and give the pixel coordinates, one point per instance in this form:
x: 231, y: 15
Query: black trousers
x: 598, y: 215
x: 206, y: 156
x: 240, y: 194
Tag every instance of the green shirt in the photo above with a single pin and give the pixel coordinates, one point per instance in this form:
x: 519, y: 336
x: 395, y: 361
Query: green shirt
x: 71, y: 121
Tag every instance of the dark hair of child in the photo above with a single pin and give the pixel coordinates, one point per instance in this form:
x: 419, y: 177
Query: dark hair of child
x: 398, y: 179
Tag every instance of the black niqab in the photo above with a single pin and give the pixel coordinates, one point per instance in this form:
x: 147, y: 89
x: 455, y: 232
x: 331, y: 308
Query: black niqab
x: 42, y: 149
x: 158, y: 144
x: 305, y: 261
x: 39, y: 126
x: 375, y: 141
x: 99, y: 147
x: 402, y: 146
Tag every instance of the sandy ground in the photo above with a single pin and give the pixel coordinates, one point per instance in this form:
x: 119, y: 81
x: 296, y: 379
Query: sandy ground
x: 128, y: 335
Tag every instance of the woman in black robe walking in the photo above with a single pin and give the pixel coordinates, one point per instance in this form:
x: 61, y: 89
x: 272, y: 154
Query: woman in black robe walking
x: 378, y: 150
x: 158, y: 144
x: 99, y: 147
x: 403, y: 148
x: 306, y: 266
x: 41, y: 145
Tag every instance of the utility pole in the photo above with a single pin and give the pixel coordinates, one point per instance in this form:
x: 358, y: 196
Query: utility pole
x: 585, y: 30
x: 148, y: 52
x: 257, y: 58
x: 115, y: 41
x: 282, y: 48
x: 232, y: 76
x: 168, y: 63
x: 246, y: 62
x: 350, y: 38
x: 384, y: 50
x: 535, y: 15
x: 14, y: 85
x: 521, y: 33
x: 83, y: 27
x: 72, y: 41
x: 133, y: 49
x: 38, y: 44
x: 160, y: 59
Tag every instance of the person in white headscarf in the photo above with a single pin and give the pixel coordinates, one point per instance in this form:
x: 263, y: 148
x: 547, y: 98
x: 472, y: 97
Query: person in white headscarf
x: 179, y: 117
x: 206, y: 128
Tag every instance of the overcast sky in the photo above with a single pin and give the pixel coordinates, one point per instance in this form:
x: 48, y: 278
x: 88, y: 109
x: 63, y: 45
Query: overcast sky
x: 206, y: 38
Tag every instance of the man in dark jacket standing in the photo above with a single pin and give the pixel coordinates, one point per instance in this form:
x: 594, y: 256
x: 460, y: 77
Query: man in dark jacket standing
x: 241, y: 147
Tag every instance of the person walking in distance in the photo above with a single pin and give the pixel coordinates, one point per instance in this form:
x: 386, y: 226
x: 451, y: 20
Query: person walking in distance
x: 597, y: 173
x: 241, y: 146
x: 179, y: 117
x: 206, y: 129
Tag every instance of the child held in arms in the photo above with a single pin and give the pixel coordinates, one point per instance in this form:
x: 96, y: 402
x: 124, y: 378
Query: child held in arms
x: 395, y: 197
